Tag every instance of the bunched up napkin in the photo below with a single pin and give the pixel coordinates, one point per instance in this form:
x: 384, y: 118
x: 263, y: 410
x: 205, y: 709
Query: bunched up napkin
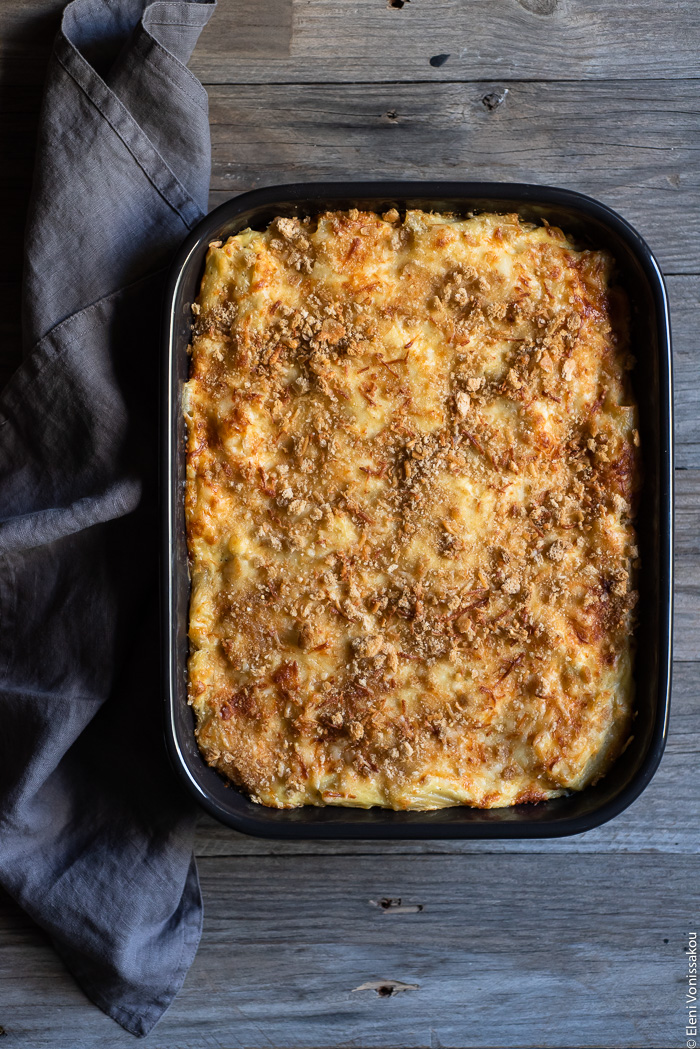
x: 95, y: 832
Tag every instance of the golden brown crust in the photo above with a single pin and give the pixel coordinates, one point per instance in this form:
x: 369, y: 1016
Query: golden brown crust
x: 412, y: 466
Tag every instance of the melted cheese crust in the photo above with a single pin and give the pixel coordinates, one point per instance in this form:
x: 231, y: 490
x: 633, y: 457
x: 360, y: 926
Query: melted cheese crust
x: 412, y: 466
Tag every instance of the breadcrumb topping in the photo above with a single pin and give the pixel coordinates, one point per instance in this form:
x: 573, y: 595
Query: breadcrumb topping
x: 413, y: 468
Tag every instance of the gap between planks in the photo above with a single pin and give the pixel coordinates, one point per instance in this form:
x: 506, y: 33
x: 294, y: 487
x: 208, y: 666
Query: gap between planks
x: 467, y: 82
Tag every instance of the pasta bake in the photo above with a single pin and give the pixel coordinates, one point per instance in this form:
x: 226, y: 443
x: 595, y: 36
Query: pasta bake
x: 413, y: 464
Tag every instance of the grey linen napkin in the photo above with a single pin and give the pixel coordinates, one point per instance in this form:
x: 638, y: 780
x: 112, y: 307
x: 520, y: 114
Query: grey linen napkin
x: 95, y: 833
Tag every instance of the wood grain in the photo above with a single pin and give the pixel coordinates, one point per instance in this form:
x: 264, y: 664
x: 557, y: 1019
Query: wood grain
x: 367, y: 40
x: 687, y: 565
x: 546, y: 950
x: 345, y: 41
x: 684, y: 296
x: 632, y: 145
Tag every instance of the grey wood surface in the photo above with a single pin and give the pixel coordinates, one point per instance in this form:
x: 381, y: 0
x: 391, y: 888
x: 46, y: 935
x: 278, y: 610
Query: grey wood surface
x: 561, y: 950
x: 634, y: 145
x: 568, y: 943
x: 368, y: 40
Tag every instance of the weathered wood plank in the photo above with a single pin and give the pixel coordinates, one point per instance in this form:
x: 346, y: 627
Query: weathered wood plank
x: 632, y: 145
x: 348, y: 41
x: 687, y: 566
x: 368, y: 40
x: 340, y: 41
x: 494, y: 956
x: 684, y: 296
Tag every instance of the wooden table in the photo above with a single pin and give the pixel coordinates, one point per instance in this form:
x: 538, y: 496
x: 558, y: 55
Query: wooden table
x: 569, y: 943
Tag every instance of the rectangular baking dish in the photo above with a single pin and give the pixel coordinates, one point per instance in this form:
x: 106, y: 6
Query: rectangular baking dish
x: 594, y: 225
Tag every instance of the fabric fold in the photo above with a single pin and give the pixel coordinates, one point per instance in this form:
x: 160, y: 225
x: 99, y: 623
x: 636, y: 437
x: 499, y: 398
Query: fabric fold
x: 136, y: 123
x: 95, y: 831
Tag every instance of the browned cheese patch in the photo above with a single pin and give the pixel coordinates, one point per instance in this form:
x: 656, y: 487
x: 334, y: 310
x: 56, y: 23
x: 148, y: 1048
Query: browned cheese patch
x: 413, y: 465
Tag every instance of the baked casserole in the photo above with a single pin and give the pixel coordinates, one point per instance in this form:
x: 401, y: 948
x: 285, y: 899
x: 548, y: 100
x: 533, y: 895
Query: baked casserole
x: 412, y: 472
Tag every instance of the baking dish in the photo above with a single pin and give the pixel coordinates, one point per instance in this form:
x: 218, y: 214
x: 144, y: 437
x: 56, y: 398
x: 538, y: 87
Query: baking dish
x: 592, y: 224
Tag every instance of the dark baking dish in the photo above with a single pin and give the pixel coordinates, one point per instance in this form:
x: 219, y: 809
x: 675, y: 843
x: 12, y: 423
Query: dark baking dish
x: 592, y: 224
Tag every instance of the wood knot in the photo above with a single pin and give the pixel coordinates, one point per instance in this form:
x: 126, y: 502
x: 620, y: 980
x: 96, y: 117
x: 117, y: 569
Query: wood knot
x: 494, y: 99
x: 438, y: 60
x: 397, y: 4
x: 540, y: 7
x: 387, y: 988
